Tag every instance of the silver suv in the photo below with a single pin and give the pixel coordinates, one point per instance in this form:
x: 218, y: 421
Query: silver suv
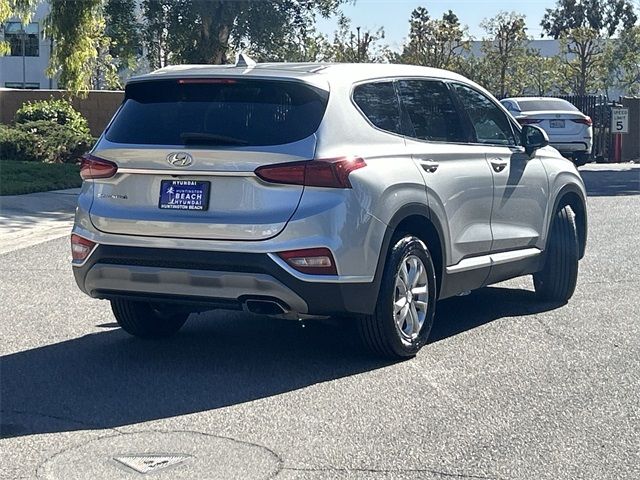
x: 316, y: 190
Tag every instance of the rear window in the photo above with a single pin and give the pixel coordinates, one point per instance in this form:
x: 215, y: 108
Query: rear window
x: 218, y: 112
x: 541, y: 105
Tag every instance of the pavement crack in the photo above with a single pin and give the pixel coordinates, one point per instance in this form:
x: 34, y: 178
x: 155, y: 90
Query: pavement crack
x: 391, y: 471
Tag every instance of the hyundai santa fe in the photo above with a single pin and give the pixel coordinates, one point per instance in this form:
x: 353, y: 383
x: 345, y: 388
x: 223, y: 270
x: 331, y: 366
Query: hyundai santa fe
x: 364, y: 192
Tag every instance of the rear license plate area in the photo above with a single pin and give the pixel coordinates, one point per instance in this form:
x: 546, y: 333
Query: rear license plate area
x: 557, y: 123
x: 191, y: 195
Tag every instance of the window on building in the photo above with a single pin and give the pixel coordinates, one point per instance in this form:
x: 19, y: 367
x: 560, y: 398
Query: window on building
x: 16, y: 34
x: 28, y: 85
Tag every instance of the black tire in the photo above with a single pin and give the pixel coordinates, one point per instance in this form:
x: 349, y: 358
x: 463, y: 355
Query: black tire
x: 378, y: 331
x: 557, y: 280
x: 144, y: 320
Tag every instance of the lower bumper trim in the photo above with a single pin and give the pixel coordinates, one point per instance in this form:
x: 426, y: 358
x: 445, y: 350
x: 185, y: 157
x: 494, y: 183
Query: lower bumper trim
x: 209, y: 277
x: 188, y: 283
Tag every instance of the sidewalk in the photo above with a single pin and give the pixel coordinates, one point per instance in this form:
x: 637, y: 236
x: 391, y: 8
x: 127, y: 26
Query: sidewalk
x: 27, y: 220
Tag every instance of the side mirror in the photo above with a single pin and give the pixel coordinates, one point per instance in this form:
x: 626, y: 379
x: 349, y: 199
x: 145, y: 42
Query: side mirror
x: 533, y: 138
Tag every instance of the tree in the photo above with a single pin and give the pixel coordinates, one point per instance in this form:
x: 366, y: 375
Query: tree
x: 77, y: 30
x: 175, y: 31
x: 542, y: 74
x: 476, y: 68
x: 307, y: 46
x: 584, y: 26
x: 506, y: 49
x: 208, y: 31
x: 435, y: 43
x: 356, y: 47
x: 123, y: 31
x: 624, y: 61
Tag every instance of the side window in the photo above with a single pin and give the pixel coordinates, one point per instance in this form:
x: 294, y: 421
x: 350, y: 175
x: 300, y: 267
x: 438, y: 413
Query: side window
x: 490, y: 123
x: 431, y: 110
x: 379, y: 103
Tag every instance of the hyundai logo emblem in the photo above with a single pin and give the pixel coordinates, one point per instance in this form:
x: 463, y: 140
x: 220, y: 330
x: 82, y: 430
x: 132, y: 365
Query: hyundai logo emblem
x: 180, y: 159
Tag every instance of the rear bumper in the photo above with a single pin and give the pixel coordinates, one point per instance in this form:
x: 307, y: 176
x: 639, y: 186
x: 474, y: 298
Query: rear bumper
x: 220, y: 279
x: 572, y: 147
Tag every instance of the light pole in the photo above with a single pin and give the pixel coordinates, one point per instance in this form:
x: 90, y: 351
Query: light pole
x: 23, y: 36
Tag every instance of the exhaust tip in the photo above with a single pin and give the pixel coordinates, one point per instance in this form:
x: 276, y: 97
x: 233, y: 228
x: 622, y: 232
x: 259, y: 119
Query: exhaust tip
x: 264, y: 307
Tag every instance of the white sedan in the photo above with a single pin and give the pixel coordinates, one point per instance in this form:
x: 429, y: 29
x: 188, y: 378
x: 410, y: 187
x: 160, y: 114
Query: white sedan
x: 570, y: 131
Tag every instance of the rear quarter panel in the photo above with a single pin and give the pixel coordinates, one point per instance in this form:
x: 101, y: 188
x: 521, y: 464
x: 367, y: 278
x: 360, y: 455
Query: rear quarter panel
x: 390, y: 180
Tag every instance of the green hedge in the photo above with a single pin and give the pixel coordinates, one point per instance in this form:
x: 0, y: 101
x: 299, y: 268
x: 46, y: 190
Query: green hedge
x: 50, y: 131
x: 58, y: 111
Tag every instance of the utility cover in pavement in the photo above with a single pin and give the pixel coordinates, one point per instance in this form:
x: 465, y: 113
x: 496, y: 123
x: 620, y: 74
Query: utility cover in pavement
x: 162, y: 455
x: 150, y: 463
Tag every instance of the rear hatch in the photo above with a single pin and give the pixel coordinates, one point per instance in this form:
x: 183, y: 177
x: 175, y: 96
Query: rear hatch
x: 186, y: 150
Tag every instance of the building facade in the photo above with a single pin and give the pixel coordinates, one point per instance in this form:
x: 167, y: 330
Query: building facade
x: 25, y: 65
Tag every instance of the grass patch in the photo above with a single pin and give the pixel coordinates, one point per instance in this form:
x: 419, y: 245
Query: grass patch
x: 17, y: 178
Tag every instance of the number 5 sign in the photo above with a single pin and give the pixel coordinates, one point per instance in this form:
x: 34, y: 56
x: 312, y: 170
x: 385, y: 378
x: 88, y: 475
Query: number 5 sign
x: 619, y: 120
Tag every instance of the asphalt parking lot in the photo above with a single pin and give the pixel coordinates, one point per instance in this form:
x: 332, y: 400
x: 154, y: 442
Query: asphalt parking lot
x: 509, y: 388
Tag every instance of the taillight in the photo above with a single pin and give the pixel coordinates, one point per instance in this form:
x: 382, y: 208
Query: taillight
x: 81, y: 247
x: 316, y: 261
x: 528, y: 121
x: 330, y: 172
x: 95, y: 167
x: 584, y: 121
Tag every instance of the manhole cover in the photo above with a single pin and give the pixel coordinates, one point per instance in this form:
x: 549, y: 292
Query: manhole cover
x: 150, y: 463
x: 161, y: 455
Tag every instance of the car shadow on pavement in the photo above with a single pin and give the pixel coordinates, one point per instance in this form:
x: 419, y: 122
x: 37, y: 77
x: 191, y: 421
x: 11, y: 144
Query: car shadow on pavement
x: 459, y: 314
x: 108, y: 379
x: 610, y: 183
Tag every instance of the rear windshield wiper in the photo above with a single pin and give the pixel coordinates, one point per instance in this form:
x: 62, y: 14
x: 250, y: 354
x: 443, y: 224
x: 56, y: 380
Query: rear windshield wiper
x: 211, y: 139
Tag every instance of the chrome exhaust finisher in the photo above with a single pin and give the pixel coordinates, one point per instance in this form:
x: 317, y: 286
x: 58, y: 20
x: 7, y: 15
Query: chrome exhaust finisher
x: 260, y: 306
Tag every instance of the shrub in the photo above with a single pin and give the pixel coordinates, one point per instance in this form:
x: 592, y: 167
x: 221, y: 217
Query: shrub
x: 43, y: 141
x: 17, y: 145
x: 58, y: 111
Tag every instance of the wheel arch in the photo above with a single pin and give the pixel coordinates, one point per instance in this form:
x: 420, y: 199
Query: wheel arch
x: 420, y: 221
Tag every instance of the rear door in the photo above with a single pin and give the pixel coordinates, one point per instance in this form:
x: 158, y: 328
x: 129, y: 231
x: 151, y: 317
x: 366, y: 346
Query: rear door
x: 457, y: 176
x: 186, y: 150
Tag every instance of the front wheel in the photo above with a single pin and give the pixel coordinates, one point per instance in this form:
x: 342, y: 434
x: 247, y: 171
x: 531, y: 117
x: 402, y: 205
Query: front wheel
x: 557, y: 280
x: 402, y: 320
x: 146, y: 320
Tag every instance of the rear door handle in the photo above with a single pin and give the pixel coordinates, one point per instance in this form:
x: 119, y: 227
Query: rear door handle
x: 429, y: 165
x: 498, y: 165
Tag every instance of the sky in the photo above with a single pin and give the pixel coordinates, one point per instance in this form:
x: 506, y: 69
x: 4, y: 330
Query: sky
x: 394, y: 15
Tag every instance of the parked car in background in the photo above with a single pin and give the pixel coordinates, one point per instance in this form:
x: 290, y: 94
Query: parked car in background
x: 570, y: 131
